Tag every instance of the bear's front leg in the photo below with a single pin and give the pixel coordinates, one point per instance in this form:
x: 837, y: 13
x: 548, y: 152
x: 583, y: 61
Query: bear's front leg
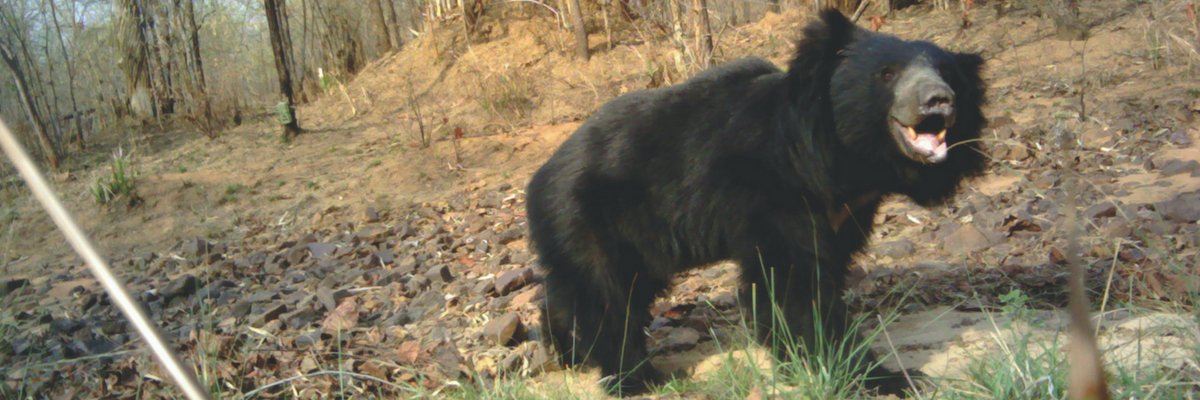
x: 791, y: 295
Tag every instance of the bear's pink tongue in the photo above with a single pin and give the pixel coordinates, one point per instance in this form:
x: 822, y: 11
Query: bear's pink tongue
x: 927, y: 142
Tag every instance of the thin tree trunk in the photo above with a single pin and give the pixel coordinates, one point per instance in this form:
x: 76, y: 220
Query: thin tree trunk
x: 704, y: 42
x: 381, y: 29
x: 395, y: 32
x: 605, y: 6
x: 39, y: 127
x: 275, y: 26
x: 198, y: 67
x: 70, y: 77
x: 677, y: 24
x: 52, y: 99
x: 581, y: 39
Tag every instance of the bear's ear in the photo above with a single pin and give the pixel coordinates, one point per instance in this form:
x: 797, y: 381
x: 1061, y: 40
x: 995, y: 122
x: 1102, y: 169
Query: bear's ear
x: 817, y: 52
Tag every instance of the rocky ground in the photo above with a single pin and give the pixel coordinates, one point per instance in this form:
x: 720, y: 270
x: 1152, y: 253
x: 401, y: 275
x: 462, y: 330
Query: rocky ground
x: 438, y: 293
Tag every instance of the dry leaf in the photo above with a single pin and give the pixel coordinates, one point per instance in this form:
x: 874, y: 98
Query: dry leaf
x: 409, y: 351
x: 343, y: 318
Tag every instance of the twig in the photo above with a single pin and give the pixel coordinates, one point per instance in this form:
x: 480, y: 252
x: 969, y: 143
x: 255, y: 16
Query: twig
x: 859, y: 12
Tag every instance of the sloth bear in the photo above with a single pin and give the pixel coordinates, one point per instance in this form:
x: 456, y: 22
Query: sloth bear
x: 781, y: 171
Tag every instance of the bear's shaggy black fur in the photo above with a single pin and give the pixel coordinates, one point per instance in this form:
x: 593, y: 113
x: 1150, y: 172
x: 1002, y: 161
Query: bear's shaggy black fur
x: 780, y: 171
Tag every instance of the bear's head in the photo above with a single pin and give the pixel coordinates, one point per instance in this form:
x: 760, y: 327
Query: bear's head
x: 907, y: 113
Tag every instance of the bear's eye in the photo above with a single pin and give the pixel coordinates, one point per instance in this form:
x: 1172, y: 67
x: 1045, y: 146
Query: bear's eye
x: 887, y: 75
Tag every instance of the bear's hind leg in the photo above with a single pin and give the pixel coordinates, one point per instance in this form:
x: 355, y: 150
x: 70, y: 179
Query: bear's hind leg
x: 600, y: 317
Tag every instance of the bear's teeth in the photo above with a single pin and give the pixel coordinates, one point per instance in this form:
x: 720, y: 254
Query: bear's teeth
x: 912, y: 133
x: 942, y: 135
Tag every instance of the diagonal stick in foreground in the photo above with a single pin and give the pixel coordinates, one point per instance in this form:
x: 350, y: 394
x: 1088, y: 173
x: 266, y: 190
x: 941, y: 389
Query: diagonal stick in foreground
x: 182, y: 375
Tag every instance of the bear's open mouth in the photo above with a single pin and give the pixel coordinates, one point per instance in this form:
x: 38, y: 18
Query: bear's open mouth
x: 926, y: 140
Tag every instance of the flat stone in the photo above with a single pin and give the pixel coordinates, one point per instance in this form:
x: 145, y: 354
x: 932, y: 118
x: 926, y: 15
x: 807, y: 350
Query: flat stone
x: 272, y: 314
x: 510, y: 281
x: 506, y: 330
x: 682, y: 339
x: 965, y: 240
x: 895, y: 249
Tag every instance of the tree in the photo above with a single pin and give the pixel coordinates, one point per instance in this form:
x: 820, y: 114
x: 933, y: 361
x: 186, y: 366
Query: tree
x: 12, y: 37
x: 70, y: 78
x: 381, y: 29
x: 581, y: 39
x: 275, y: 21
x: 135, y: 60
x: 703, y: 34
x: 196, y: 63
x: 31, y: 110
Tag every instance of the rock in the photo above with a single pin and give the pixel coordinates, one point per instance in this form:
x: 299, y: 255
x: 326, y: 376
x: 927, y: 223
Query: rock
x: 296, y: 255
x: 965, y: 239
x: 300, y: 318
x: 681, y: 339
x: 182, y: 287
x: 263, y: 295
x: 1180, y: 138
x: 895, y: 249
x: 427, y: 303
x: 1101, y: 210
x: 527, y: 297
x: 406, y: 265
x: 511, y: 363
x: 321, y: 250
x: 1176, y: 167
x: 67, y: 326
x: 381, y: 258
x: 241, y: 309
x: 510, y: 235
x: 416, y: 285
x: 484, y: 287
x: 196, y: 248
x: 510, y: 281
x: 723, y: 301
x: 1182, y: 209
x: 330, y: 298
x: 506, y: 330
x: 272, y: 314
x: 440, y: 274
x: 543, y: 361
x: 449, y: 362
x: 371, y: 215
x: 12, y: 285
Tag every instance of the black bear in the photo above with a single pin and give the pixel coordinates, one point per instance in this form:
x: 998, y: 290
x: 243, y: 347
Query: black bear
x: 780, y: 171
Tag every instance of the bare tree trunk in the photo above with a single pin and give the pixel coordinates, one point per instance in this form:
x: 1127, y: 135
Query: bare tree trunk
x: 275, y: 26
x: 39, y: 126
x: 581, y: 40
x: 52, y: 99
x: 677, y: 23
x: 704, y: 46
x: 197, y: 63
x: 70, y: 78
x: 396, y: 31
x: 135, y: 59
x: 381, y: 29
x: 606, y: 6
